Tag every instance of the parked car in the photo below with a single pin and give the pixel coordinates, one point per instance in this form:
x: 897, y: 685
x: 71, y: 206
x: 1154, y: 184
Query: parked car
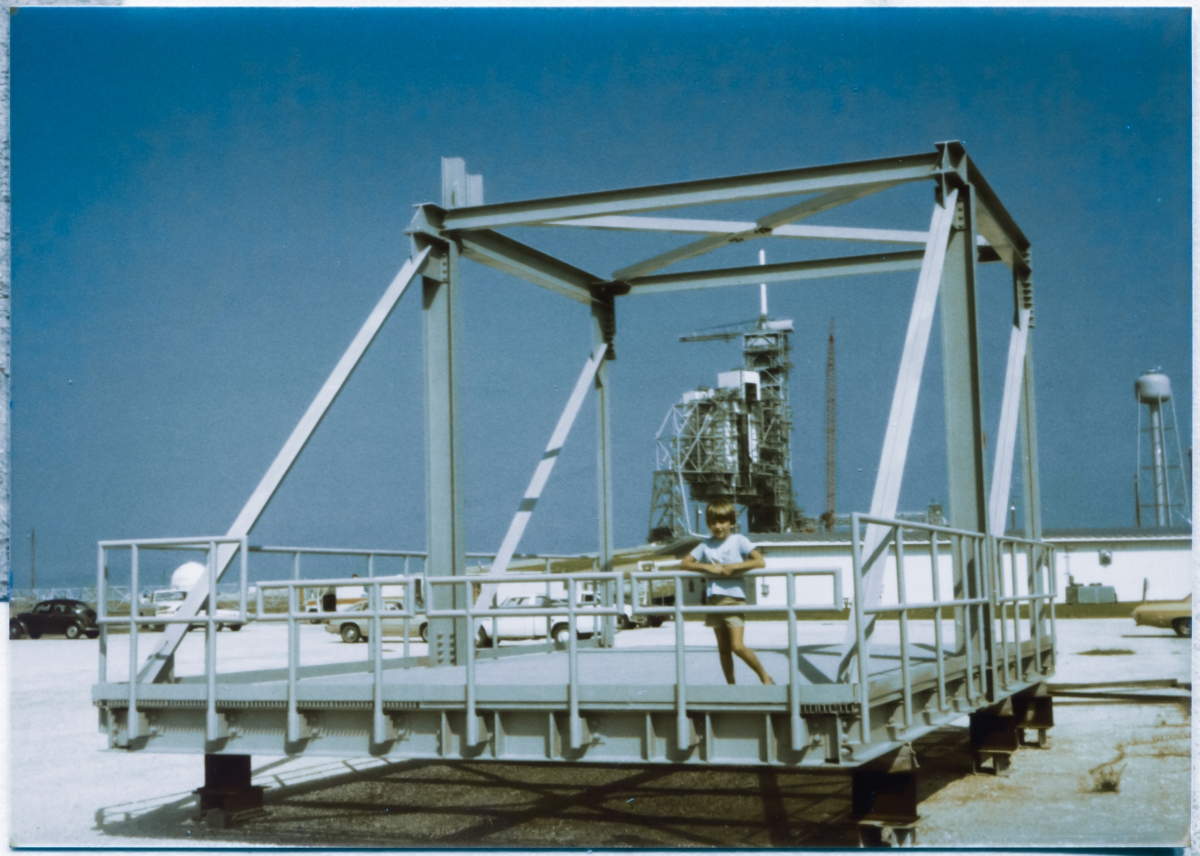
x: 72, y: 618
x: 1176, y: 614
x: 553, y: 623
x: 352, y: 626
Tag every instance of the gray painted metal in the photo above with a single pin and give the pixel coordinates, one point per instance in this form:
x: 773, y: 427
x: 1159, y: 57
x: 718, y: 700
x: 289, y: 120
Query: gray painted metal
x: 542, y: 474
x: 461, y: 703
x: 604, y: 326
x: 963, y: 398
x: 704, y: 192
x: 1030, y: 477
x: 731, y: 227
x: 589, y: 703
x: 1006, y: 436
x: 444, y: 501
x: 900, y: 420
x: 785, y: 272
x: 158, y: 661
x: 761, y: 228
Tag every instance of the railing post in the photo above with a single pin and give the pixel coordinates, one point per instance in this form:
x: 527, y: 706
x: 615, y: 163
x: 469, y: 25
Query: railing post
x: 682, y: 730
x: 379, y: 734
x: 469, y: 650
x: 799, y: 736
x: 244, y: 546
x: 573, y: 667
x: 864, y: 702
x: 934, y: 561
x: 1020, y: 671
x: 210, y: 646
x: 964, y: 611
x: 999, y: 599
x: 905, y: 678
x: 102, y: 608
x: 293, y: 715
x: 987, y: 648
x: 132, y: 718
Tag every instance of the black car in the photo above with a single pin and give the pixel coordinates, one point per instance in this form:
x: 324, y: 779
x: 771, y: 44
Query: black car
x: 73, y: 618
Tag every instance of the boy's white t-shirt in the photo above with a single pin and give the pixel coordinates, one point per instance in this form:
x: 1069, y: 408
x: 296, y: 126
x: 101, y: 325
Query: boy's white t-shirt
x: 736, y: 548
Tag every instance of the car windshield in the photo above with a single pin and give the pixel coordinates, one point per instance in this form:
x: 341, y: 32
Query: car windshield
x: 164, y: 596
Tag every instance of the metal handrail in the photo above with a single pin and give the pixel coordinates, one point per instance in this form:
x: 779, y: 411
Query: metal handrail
x: 798, y: 731
x: 210, y: 621
x: 992, y: 599
x: 979, y: 554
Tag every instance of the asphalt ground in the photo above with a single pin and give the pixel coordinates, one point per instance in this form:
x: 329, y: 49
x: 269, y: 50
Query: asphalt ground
x: 68, y: 790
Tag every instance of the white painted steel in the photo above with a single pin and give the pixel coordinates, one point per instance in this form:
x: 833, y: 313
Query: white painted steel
x: 1006, y: 435
x: 900, y: 420
x: 786, y: 272
x: 702, y: 192
x: 153, y: 670
x: 504, y: 254
x: 682, y: 226
x: 759, y: 229
x: 542, y: 473
x: 762, y: 287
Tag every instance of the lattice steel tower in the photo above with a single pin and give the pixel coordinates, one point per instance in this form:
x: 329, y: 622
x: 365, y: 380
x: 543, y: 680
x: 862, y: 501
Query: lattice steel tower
x: 733, y: 441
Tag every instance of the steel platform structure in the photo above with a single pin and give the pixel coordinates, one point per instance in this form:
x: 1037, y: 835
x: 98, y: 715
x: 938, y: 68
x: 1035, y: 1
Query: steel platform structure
x: 857, y: 705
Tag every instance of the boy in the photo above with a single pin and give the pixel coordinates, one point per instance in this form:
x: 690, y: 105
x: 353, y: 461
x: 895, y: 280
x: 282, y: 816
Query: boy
x: 726, y: 556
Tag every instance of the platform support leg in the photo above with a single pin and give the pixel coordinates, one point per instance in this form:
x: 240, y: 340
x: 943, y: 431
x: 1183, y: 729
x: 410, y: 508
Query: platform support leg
x: 994, y: 737
x: 884, y: 800
x: 227, y: 796
x: 1034, y: 710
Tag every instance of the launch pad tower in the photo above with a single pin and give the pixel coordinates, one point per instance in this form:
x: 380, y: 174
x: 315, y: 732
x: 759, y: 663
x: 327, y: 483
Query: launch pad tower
x: 732, y: 441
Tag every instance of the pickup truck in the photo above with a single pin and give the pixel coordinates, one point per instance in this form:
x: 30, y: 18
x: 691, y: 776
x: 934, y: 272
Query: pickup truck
x: 166, y: 602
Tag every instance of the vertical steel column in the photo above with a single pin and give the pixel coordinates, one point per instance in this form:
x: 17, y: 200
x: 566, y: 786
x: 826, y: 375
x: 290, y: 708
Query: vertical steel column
x: 604, y: 322
x: 964, y: 399
x: 445, y: 538
x: 1031, y: 499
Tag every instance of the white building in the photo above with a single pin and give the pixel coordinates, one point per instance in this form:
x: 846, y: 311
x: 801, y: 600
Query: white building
x: 1154, y: 564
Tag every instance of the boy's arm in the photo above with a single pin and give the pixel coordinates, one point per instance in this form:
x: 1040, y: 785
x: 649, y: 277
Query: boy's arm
x: 753, y: 562
x: 688, y: 563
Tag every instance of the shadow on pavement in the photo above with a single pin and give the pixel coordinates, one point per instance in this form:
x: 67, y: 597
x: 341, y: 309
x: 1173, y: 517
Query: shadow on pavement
x: 466, y: 804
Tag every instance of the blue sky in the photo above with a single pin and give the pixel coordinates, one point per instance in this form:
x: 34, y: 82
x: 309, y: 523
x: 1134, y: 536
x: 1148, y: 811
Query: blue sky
x: 207, y: 203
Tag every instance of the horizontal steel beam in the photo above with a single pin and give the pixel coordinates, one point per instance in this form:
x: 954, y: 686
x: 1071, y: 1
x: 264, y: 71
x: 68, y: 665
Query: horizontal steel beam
x: 681, y: 226
x: 761, y: 228
x: 504, y: 254
x: 995, y: 223
x: 703, y: 192
x: 787, y: 272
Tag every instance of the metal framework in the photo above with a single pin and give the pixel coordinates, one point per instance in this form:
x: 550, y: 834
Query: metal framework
x: 732, y: 442
x: 840, y: 706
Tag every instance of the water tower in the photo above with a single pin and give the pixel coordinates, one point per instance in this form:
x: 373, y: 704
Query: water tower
x: 1169, y: 497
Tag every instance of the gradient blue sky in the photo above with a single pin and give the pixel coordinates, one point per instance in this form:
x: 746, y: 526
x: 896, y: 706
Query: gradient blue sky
x: 207, y: 203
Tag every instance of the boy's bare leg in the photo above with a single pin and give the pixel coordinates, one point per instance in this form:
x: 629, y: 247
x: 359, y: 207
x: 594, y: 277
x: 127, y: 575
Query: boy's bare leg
x: 736, y: 635
x: 725, y: 649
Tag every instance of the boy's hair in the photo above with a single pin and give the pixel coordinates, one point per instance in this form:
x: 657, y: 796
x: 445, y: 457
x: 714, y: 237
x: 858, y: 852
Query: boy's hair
x: 720, y: 509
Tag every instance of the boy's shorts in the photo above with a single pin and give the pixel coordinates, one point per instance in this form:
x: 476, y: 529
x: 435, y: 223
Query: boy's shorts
x: 724, y: 619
